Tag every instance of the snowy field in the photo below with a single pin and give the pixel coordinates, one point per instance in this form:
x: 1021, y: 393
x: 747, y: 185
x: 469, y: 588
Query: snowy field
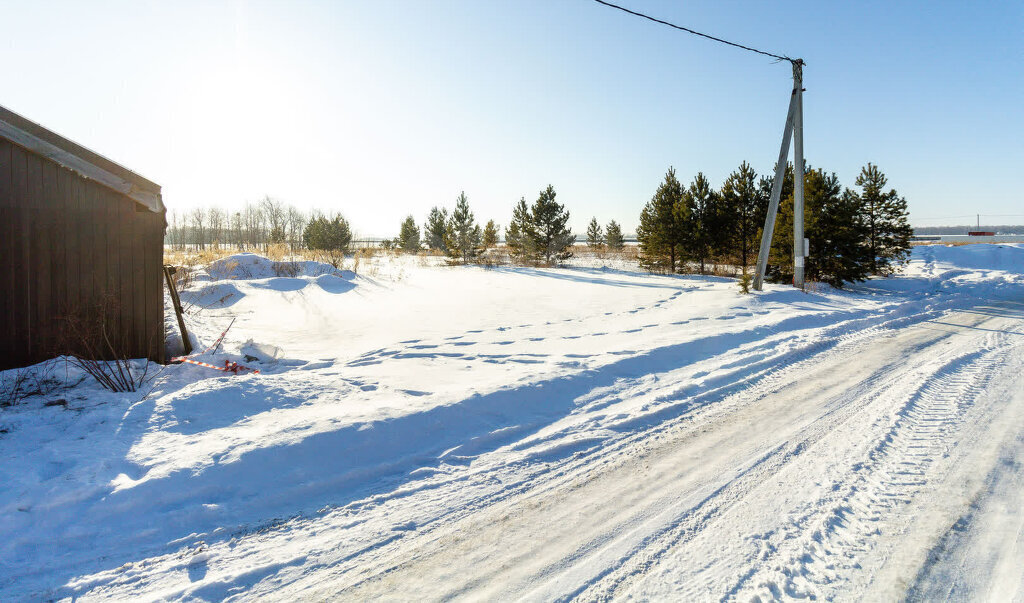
x: 428, y: 432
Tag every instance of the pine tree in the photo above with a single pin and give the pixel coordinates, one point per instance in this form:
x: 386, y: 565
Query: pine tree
x: 595, y: 238
x: 465, y: 235
x: 887, y: 221
x: 490, y: 235
x: 701, y: 201
x: 613, y: 236
x: 661, y: 226
x: 409, y: 236
x: 436, y: 230
x: 839, y: 250
x: 548, y: 235
x: 834, y: 226
x: 517, y: 235
x: 743, y: 207
x: 328, y: 236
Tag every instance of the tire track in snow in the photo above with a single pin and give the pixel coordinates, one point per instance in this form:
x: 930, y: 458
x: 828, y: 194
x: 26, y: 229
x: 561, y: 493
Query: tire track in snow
x: 752, y: 387
x: 928, y: 410
x: 889, y: 479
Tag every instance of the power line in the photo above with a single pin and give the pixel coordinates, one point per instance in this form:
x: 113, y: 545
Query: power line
x: 697, y: 33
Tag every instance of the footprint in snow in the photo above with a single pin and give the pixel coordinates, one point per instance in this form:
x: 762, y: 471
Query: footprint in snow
x: 413, y: 392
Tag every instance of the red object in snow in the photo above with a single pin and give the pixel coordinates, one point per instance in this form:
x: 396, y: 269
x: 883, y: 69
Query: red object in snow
x: 980, y: 233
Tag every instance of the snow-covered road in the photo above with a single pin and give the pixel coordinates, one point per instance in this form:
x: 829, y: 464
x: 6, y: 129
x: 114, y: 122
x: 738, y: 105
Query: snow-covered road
x: 832, y: 480
x: 584, y: 433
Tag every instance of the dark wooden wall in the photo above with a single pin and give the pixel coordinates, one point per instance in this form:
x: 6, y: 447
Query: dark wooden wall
x: 72, y: 247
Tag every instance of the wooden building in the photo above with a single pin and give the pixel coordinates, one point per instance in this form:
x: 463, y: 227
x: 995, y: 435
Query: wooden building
x: 81, y: 250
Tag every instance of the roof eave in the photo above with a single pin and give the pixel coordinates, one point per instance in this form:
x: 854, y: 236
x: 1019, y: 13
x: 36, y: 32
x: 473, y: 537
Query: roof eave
x: 12, y: 127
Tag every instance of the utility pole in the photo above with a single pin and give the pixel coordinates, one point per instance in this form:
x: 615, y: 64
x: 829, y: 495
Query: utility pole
x: 798, y: 176
x: 793, y: 128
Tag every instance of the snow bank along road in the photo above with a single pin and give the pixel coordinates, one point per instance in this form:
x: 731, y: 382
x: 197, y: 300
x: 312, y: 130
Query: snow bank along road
x: 635, y: 436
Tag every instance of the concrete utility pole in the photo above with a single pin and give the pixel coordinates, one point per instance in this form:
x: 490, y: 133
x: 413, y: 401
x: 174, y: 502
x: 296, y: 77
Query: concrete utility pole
x: 798, y: 176
x: 793, y: 128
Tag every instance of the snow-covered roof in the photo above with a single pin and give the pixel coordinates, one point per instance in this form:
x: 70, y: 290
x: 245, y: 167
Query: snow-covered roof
x: 79, y: 159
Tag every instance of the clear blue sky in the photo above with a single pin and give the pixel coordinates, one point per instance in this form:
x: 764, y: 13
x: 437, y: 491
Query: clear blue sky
x: 380, y: 109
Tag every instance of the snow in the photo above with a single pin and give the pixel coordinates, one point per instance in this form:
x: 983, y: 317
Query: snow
x: 424, y: 431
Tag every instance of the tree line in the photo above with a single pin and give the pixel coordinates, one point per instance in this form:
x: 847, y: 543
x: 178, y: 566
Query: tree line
x: 852, y: 234
x: 683, y: 228
x: 536, y: 234
x: 255, y: 226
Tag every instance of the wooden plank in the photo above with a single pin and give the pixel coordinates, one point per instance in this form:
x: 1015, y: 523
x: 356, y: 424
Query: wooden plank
x: 7, y: 347
x: 108, y: 220
x: 7, y: 232
x: 98, y: 251
x: 155, y: 289
x: 20, y: 286
x: 138, y: 307
x: 89, y: 266
x: 74, y: 219
x: 43, y: 330
x: 5, y: 174
x: 125, y: 271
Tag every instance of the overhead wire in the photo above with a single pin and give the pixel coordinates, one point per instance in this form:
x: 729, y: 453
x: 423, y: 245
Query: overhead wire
x: 697, y: 33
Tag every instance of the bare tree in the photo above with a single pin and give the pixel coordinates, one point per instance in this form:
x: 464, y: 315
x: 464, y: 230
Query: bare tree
x: 173, y: 231
x: 275, y: 215
x: 198, y: 218
x: 216, y: 219
x: 236, y: 229
x: 253, y: 220
x: 296, y: 224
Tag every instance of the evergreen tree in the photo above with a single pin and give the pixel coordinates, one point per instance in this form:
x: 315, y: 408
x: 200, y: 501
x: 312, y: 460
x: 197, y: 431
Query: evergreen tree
x: 834, y: 226
x: 839, y: 250
x: 595, y: 238
x: 517, y: 235
x: 329, y: 236
x: 887, y: 221
x: 436, y: 230
x: 613, y: 236
x: 490, y: 235
x: 702, y: 205
x: 548, y: 235
x: 661, y: 226
x: 409, y: 236
x: 464, y: 233
x: 743, y: 207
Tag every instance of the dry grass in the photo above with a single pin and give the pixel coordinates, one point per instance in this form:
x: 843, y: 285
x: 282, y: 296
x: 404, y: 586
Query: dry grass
x: 39, y: 380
